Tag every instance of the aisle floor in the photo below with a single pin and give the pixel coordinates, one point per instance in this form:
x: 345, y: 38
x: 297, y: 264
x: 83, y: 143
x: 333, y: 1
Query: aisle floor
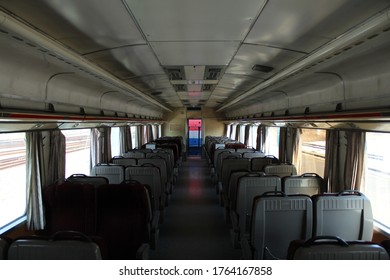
x: 194, y: 225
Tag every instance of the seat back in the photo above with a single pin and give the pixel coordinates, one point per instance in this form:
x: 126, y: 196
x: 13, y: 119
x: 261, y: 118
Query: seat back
x: 276, y: 221
x: 75, y: 247
x: 249, y: 187
x: 254, y: 154
x: 70, y: 206
x: 124, y: 161
x: 123, y: 219
x: 84, y: 179
x: 150, y: 176
x: 162, y: 166
x: 281, y: 170
x: 335, y: 248
x: 308, y: 183
x: 114, y: 173
x: 133, y: 154
x: 228, y: 166
x: 258, y: 163
x: 347, y: 215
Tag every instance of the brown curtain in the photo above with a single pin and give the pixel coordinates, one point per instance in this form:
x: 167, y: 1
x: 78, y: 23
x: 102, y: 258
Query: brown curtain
x: 288, y: 144
x: 246, y: 136
x: 57, y: 154
x: 261, y: 136
x: 332, y: 160
x: 100, y: 145
x: 125, y: 139
x: 354, y: 162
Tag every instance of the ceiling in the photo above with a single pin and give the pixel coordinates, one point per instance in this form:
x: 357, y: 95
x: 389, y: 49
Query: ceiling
x: 195, y: 53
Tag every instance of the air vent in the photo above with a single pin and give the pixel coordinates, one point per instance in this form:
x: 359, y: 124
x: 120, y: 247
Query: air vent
x: 197, y: 108
x: 262, y: 68
x: 175, y: 73
x: 213, y: 73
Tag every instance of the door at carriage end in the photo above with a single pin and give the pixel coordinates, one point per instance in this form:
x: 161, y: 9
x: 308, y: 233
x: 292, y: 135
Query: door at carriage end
x: 194, y: 136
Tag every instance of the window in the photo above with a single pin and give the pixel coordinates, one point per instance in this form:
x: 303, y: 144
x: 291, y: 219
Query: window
x: 242, y: 133
x: 253, y: 136
x: 377, y: 177
x: 115, y: 141
x: 78, y: 155
x: 272, y: 141
x: 312, y: 151
x: 12, y: 178
x: 134, y: 136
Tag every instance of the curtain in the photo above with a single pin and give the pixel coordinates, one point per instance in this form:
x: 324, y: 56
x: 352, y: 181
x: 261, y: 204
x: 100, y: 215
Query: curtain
x: 34, y: 166
x: 238, y: 133
x: 154, y: 132
x: 246, y: 136
x: 56, y: 166
x: 354, y: 163
x: 100, y: 145
x: 125, y: 139
x: 140, y: 136
x: 288, y: 144
x: 332, y: 160
x: 283, y: 144
x: 296, y: 148
x: 261, y: 136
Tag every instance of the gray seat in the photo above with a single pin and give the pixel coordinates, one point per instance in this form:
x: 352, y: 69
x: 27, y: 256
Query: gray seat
x: 281, y: 170
x: 150, y: 176
x: 124, y: 161
x: 335, y: 248
x: 162, y: 165
x: 84, y: 179
x: 308, y: 183
x: 277, y: 219
x: 228, y: 166
x: 114, y: 173
x: 249, y: 187
x: 347, y: 214
x: 258, y: 163
x: 76, y: 248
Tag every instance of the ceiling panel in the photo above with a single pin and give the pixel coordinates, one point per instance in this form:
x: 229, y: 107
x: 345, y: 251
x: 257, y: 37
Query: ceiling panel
x: 82, y: 25
x: 249, y: 55
x: 128, y: 62
x: 178, y: 20
x: 195, y: 53
x: 304, y: 25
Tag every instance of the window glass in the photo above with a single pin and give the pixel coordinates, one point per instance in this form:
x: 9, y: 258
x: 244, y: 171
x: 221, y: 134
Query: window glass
x: 272, y: 141
x: 78, y: 155
x: 252, y: 136
x: 134, y: 137
x: 115, y: 141
x: 312, y: 151
x: 12, y: 177
x: 377, y: 177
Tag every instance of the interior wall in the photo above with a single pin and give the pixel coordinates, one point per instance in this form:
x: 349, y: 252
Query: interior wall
x: 176, y: 122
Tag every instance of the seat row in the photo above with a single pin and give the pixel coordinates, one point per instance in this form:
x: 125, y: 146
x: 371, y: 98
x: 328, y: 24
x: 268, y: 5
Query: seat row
x: 268, y: 223
x: 63, y: 245
x: 118, y: 214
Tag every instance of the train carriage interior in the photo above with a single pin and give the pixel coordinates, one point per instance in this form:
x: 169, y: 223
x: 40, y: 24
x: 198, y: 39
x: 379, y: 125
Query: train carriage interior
x: 194, y: 130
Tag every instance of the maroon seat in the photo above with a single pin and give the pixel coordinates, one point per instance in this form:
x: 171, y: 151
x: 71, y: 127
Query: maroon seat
x: 70, y: 206
x: 123, y: 220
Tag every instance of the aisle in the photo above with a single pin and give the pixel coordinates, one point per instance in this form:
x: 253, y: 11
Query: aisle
x: 194, y: 226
